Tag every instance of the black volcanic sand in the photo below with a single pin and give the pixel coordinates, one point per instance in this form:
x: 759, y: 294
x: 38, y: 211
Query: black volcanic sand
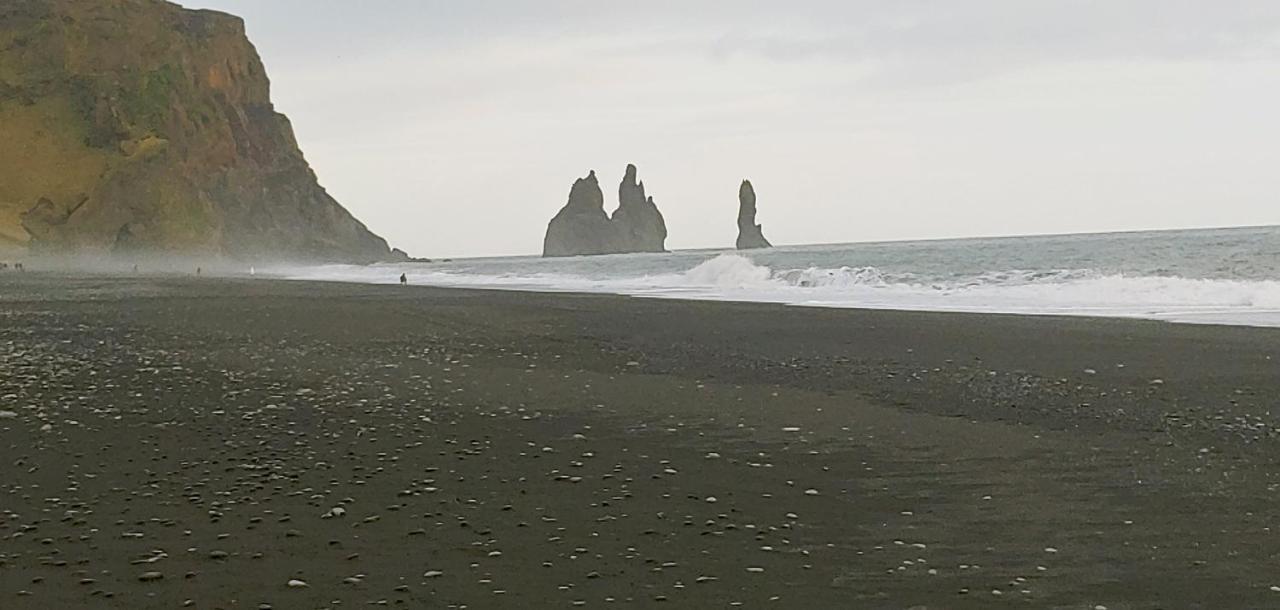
x: 173, y: 442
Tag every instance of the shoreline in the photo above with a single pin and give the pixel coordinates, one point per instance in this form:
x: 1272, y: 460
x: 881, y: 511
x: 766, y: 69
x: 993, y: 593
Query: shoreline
x: 509, y: 449
x: 270, y: 276
x: 958, y: 312
x: 1202, y: 315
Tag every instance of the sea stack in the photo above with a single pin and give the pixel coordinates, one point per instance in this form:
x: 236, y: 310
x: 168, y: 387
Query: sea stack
x: 582, y: 227
x: 750, y: 234
x: 139, y: 127
x: 640, y: 223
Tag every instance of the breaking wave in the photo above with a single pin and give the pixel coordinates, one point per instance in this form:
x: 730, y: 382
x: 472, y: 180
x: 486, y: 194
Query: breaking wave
x: 1057, y: 291
x: 736, y: 277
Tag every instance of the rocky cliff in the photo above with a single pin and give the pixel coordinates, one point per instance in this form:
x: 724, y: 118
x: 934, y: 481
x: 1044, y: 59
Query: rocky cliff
x: 583, y: 228
x: 750, y: 234
x: 138, y: 126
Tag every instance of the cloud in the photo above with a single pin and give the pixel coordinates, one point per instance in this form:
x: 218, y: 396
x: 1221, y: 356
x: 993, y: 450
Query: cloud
x: 1044, y: 29
x: 946, y: 42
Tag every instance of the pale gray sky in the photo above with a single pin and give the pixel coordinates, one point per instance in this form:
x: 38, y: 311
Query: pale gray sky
x: 456, y: 128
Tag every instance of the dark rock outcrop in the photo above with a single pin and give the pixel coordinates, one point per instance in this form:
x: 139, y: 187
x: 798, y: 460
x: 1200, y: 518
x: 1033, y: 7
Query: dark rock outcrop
x: 640, y: 223
x: 140, y: 127
x: 750, y: 234
x: 583, y: 228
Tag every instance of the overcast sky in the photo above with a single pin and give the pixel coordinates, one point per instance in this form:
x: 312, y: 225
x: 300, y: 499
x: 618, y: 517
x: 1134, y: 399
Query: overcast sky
x: 456, y: 128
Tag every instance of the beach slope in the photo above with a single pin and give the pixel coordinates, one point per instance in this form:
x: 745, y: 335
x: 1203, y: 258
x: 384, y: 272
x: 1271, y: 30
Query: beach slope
x: 171, y: 442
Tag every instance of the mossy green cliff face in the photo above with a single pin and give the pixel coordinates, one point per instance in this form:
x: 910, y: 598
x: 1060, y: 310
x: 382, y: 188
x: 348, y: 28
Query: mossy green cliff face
x: 139, y: 127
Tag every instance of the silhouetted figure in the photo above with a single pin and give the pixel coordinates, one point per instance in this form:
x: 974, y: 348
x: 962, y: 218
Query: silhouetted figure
x: 404, y: 280
x: 199, y: 271
x: 135, y: 268
x: 4, y: 266
x: 19, y: 267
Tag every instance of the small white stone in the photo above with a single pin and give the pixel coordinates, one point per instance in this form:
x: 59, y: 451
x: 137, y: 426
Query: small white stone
x: 7, y: 415
x: 433, y: 574
x: 711, y: 499
x: 336, y: 511
x: 297, y: 584
x: 810, y: 492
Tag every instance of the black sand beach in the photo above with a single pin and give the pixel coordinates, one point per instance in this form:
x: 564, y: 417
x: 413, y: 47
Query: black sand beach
x: 171, y: 443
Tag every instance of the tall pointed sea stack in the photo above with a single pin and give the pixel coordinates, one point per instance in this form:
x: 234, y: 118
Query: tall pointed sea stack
x: 583, y: 228
x: 140, y: 127
x: 637, y: 217
x: 750, y: 234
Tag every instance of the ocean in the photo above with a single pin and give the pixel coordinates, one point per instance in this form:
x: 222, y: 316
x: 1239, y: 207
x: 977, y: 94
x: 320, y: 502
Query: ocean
x: 1214, y: 276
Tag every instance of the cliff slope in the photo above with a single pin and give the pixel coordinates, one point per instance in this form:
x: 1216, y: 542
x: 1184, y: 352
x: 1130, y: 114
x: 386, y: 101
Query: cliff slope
x: 138, y: 126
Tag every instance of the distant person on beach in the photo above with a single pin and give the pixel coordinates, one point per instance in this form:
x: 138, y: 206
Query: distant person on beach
x: 404, y: 280
x: 19, y: 267
x: 198, y: 271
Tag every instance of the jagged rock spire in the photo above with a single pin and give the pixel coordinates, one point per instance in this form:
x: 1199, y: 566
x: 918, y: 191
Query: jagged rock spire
x: 750, y: 234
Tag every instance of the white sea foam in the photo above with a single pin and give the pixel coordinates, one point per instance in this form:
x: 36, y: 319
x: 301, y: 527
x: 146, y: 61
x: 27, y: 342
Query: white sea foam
x: 735, y: 277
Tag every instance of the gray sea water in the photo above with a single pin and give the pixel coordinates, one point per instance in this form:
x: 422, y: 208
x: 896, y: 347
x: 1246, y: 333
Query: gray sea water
x: 1226, y: 276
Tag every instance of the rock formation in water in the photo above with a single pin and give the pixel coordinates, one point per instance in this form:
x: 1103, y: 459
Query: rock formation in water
x: 583, y: 228
x: 132, y: 127
x: 750, y: 234
x: 640, y: 223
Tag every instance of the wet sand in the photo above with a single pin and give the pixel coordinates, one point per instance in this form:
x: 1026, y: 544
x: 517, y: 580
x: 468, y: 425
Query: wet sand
x: 171, y: 443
